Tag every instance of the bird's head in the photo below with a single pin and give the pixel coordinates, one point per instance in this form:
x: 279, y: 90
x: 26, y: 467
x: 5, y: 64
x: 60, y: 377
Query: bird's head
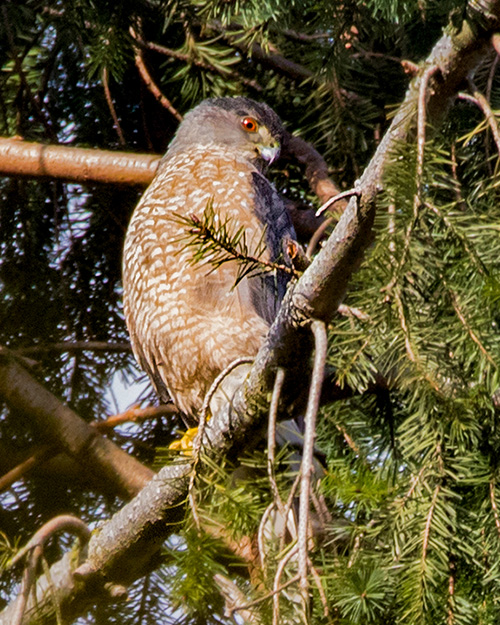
x: 251, y: 128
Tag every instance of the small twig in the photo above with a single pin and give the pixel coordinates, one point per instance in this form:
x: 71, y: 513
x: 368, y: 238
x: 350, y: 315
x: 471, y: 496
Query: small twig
x: 213, y: 388
x: 74, y: 346
x: 355, y: 550
x: 317, y: 236
x: 337, y: 198
x: 417, y: 198
x: 33, y: 550
x: 293, y: 34
x: 428, y: 522
x: 136, y: 413
x: 277, y: 586
x: 349, y: 311
x: 386, y: 57
x: 190, y: 59
x: 111, y: 106
x: 320, y: 343
x: 40, y: 455
x: 408, y: 344
x: 350, y: 442
x: 28, y: 580
x: 494, y: 506
x: 205, y: 233
x: 451, y: 593
x: 201, y: 430
x: 421, y: 125
x: 454, y: 173
x: 265, y: 597
x: 415, y: 479
x: 271, y: 437
x: 465, y: 323
x: 491, y: 76
x: 150, y: 83
x: 321, y: 590
x: 478, y: 264
x: 489, y: 86
x: 55, y: 599
x: 315, y: 168
x: 63, y: 522
x: 286, y: 514
x: 260, y: 537
x: 479, y: 100
x: 235, y: 600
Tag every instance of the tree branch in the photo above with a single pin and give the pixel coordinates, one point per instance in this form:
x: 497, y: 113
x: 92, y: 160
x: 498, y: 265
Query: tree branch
x: 57, y: 424
x: 124, y: 547
x: 20, y: 158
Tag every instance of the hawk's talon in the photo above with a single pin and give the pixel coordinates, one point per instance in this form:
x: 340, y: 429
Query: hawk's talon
x: 185, y: 444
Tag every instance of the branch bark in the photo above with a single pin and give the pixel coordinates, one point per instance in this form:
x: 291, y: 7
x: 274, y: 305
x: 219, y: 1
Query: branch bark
x: 126, y: 544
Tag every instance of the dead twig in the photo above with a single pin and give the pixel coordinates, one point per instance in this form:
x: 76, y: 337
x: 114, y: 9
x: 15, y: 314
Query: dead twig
x: 337, y: 198
x: 480, y: 101
x: 317, y: 236
x: 417, y: 198
x: 111, y: 106
x: 321, y: 590
x: 135, y: 413
x: 271, y: 437
x: 321, y: 345
x: 267, y: 596
x: 40, y: 455
x: 236, y: 600
x: 277, y: 587
x: 150, y: 83
x: 33, y: 550
x: 494, y: 506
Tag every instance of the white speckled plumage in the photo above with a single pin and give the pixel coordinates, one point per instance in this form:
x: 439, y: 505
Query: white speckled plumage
x: 187, y: 322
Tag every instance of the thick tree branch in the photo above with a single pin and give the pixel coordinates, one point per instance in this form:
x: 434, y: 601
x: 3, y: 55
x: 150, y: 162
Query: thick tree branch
x: 123, y: 548
x: 20, y: 158
x: 57, y: 424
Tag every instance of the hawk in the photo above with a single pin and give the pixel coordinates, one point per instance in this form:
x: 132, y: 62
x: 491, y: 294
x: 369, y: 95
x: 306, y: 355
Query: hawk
x: 189, y: 321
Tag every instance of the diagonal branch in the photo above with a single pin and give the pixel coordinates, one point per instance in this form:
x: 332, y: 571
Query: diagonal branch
x: 124, y: 547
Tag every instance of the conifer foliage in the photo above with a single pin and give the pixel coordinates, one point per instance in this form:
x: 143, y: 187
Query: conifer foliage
x: 406, y: 514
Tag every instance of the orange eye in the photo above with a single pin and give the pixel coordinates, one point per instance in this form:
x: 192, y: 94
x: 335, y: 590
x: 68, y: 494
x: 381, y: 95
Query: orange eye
x: 249, y: 124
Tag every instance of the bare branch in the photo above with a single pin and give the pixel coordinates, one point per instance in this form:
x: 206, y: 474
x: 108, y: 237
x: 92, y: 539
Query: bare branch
x: 20, y: 158
x: 111, y: 106
x: 480, y: 101
x: 136, y: 413
x: 41, y: 454
x: 271, y: 438
x: 143, y: 524
x: 34, y: 552
x: 74, y: 346
x: 56, y: 423
x: 320, y: 349
x: 150, y: 83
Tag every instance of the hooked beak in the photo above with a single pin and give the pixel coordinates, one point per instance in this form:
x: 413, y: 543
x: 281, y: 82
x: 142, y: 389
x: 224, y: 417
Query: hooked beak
x: 269, y: 154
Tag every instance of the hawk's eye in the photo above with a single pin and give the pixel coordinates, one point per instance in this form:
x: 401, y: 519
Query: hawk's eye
x: 249, y: 124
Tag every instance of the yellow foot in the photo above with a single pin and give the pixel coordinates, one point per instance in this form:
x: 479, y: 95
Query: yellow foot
x: 185, y: 444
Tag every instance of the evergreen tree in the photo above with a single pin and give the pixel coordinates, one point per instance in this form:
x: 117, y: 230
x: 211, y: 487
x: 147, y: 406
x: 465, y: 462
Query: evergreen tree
x: 406, y: 513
